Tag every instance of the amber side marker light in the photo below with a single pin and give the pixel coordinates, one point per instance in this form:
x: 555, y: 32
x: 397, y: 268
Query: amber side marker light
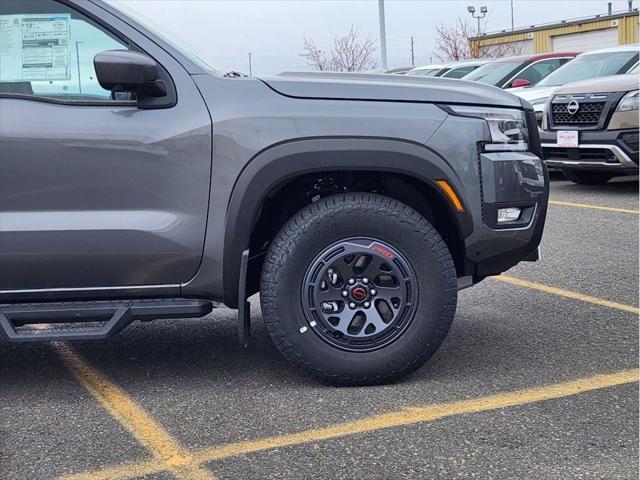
x: 451, y: 195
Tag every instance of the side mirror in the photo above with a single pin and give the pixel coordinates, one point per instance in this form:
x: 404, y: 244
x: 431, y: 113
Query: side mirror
x: 520, y: 82
x: 127, y: 71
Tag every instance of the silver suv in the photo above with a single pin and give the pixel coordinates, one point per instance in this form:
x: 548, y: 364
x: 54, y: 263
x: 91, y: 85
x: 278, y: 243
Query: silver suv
x: 590, y: 130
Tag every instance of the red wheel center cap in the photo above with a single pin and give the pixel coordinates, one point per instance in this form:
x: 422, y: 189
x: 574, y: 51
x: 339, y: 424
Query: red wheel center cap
x: 359, y: 293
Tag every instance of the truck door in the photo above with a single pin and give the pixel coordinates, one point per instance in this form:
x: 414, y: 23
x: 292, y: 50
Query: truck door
x: 95, y: 193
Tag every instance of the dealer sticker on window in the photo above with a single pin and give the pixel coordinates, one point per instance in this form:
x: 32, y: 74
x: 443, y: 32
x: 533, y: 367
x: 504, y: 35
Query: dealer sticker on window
x: 34, y: 47
x: 568, y: 138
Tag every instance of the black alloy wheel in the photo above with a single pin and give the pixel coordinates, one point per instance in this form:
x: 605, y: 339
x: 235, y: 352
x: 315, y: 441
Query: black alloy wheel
x: 361, y: 292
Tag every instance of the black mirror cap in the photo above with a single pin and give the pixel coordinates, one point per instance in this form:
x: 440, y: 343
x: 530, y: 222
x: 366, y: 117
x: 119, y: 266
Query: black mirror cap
x: 128, y: 71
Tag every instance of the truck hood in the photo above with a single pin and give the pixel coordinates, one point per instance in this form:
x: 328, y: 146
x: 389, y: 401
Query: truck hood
x: 398, y: 88
x: 613, y: 83
x: 534, y: 93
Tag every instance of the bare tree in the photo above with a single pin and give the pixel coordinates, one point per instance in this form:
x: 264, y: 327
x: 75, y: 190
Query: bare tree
x: 507, y: 49
x: 348, y: 53
x: 317, y: 58
x: 453, y: 42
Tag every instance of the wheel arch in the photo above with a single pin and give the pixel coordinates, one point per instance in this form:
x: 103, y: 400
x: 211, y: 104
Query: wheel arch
x: 412, y: 167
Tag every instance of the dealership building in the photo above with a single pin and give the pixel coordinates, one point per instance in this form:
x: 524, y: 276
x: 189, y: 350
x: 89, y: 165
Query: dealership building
x: 577, y: 35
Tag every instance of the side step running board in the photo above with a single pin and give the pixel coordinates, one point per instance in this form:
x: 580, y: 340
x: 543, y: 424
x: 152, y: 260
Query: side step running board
x: 90, y: 320
x: 119, y: 320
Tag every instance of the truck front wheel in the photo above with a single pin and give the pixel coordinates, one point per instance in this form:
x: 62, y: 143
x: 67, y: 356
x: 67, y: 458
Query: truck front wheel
x: 358, y: 288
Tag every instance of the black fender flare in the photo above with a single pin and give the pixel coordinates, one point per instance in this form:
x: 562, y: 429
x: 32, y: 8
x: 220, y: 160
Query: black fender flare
x: 272, y: 167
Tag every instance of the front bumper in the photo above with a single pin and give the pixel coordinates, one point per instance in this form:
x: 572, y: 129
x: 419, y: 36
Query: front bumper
x: 488, y: 181
x: 612, y: 151
x: 511, y: 179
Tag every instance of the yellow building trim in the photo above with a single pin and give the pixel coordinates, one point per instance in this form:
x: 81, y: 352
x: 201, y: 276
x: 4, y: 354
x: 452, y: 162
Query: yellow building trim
x: 518, y: 37
x: 541, y: 42
x: 628, y: 30
x: 627, y: 26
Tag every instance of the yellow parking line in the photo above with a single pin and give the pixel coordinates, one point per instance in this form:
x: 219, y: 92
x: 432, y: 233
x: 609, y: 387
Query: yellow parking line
x: 428, y: 413
x: 594, y: 207
x: 567, y: 293
x: 168, y: 455
x: 407, y: 416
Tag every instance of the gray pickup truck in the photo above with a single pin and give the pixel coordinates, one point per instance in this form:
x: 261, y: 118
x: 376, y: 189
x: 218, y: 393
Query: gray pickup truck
x: 138, y: 183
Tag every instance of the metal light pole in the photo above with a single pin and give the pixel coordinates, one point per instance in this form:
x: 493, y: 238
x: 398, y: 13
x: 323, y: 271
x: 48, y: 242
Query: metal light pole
x: 413, y: 57
x: 483, y: 10
x: 383, y: 35
x: 511, y: 15
x: 250, y: 63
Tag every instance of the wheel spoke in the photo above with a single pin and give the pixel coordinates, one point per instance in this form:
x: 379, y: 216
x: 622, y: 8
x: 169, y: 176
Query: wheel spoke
x: 345, y: 320
x: 331, y: 294
x: 374, y: 268
x: 345, y: 271
x: 374, y: 318
x: 388, y: 293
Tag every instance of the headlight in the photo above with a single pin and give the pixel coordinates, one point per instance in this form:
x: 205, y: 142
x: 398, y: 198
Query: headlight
x: 628, y: 102
x: 508, y: 128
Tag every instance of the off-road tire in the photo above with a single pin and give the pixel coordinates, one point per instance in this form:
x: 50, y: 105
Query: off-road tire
x: 357, y: 215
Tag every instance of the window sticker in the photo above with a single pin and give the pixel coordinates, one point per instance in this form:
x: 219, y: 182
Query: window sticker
x: 34, y: 47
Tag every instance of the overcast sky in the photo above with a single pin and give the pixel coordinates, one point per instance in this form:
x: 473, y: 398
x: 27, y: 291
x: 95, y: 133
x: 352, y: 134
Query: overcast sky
x: 225, y: 31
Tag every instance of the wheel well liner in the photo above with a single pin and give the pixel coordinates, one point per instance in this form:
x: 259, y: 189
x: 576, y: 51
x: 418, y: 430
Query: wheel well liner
x: 274, y: 168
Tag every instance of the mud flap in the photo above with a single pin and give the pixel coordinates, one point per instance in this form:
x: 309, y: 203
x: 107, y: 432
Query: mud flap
x: 244, y: 307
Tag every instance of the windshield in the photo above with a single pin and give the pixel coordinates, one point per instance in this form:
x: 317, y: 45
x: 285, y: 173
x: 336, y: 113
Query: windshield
x: 425, y: 72
x: 492, y: 73
x: 585, y: 67
x: 173, y: 41
x: 459, y: 72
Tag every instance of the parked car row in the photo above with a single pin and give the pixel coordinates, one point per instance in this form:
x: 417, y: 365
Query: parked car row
x: 520, y: 71
x: 585, y: 105
x: 510, y: 72
x: 450, y: 70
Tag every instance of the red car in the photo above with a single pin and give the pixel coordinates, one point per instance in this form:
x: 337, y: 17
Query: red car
x: 520, y: 71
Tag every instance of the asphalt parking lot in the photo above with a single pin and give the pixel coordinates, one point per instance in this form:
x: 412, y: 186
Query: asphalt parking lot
x: 537, y: 379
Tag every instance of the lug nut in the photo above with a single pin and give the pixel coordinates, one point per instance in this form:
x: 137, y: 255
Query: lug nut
x: 373, y: 291
x: 345, y: 293
x: 351, y: 281
x: 352, y: 305
x: 365, y: 280
x: 367, y: 304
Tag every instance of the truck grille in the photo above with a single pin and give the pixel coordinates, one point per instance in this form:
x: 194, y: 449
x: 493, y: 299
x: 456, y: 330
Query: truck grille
x: 584, y: 111
x: 588, y: 114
